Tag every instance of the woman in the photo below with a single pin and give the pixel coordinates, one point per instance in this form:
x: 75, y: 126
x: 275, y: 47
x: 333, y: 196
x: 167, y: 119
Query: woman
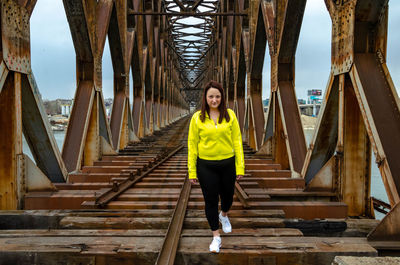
x: 215, y: 157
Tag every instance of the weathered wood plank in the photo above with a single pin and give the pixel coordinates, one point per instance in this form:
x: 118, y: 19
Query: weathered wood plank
x: 366, y: 260
x: 271, y: 250
x: 162, y: 222
x: 89, y: 233
x: 145, y: 232
x: 192, y: 249
x: 242, y: 213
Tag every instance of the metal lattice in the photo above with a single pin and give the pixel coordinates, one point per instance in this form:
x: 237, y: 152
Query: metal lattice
x: 191, y: 25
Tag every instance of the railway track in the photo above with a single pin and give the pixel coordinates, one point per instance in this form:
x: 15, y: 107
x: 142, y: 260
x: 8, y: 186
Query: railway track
x: 139, y: 207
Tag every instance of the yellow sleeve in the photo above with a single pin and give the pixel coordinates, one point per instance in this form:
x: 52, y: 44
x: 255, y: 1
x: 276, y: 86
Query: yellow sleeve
x: 237, y: 145
x: 193, y: 140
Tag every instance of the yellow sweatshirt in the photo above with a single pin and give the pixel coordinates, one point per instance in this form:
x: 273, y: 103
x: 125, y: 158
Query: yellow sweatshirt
x: 214, y: 142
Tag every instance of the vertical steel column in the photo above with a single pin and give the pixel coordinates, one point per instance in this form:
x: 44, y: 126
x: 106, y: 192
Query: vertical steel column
x: 22, y: 112
x: 164, y: 79
x: 283, y: 134
x: 139, y: 70
x: 239, y: 65
x: 121, y: 40
x: 360, y: 97
x: 10, y: 142
x: 254, y: 108
x: 157, y: 74
x: 89, y: 24
x: 150, y: 68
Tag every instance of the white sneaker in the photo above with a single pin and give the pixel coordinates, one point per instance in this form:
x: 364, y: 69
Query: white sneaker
x: 215, y: 244
x: 226, y: 225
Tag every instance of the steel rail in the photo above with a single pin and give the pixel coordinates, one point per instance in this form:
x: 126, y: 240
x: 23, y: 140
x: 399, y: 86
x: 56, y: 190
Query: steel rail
x: 118, y: 188
x: 167, y: 254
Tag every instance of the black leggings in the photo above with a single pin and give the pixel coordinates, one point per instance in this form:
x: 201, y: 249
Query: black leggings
x: 217, y: 178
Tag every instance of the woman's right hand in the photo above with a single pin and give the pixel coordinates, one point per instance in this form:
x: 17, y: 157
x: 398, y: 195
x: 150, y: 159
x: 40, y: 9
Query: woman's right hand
x: 193, y: 181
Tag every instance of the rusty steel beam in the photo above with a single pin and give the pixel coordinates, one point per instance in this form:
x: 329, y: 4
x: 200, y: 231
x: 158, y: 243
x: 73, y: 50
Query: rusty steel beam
x: 16, y: 43
x: 37, y: 132
x: 377, y: 99
x: 11, y: 143
x: 279, y: 150
x: 381, y: 206
x: 360, y: 84
x: 346, y: 156
x: 229, y: 78
x: 3, y: 74
x: 179, y: 3
x: 78, y: 126
x: 291, y: 121
x: 355, y: 169
x: 91, y: 145
x: 29, y: 5
x: 187, y: 14
x: 254, y: 62
x: 23, y: 113
x: 240, y: 80
x: 388, y: 229
x: 280, y: 23
x: 117, y: 116
x: 139, y: 68
x: 323, y: 144
x: 151, y: 72
x: 89, y: 24
x: 121, y: 42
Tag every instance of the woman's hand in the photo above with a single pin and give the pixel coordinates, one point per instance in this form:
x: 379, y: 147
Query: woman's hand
x: 238, y: 177
x: 193, y: 181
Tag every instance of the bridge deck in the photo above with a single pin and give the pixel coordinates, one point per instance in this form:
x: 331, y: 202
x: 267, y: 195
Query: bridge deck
x: 275, y: 221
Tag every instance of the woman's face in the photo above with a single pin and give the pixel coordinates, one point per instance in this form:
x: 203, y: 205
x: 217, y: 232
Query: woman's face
x: 213, y: 98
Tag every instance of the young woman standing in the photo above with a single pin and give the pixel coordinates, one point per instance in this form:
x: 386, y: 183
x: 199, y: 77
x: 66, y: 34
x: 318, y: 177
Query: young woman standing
x: 215, y: 157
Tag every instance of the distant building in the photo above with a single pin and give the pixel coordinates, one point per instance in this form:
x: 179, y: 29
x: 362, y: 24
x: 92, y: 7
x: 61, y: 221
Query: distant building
x: 301, y: 101
x: 66, y: 109
x: 58, y: 106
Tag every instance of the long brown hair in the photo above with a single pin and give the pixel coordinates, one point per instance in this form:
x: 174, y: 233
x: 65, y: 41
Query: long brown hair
x: 223, y: 113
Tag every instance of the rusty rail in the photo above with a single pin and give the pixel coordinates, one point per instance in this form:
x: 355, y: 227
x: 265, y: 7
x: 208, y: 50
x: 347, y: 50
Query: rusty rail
x: 118, y: 188
x: 170, y: 244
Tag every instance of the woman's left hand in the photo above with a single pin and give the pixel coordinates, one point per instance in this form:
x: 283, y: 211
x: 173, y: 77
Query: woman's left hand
x: 238, y: 177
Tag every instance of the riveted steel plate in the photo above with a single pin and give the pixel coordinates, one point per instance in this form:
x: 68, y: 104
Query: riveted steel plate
x: 15, y: 36
x: 343, y: 38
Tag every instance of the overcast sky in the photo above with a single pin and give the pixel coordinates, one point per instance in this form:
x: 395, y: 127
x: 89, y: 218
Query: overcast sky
x: 53, y: 55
